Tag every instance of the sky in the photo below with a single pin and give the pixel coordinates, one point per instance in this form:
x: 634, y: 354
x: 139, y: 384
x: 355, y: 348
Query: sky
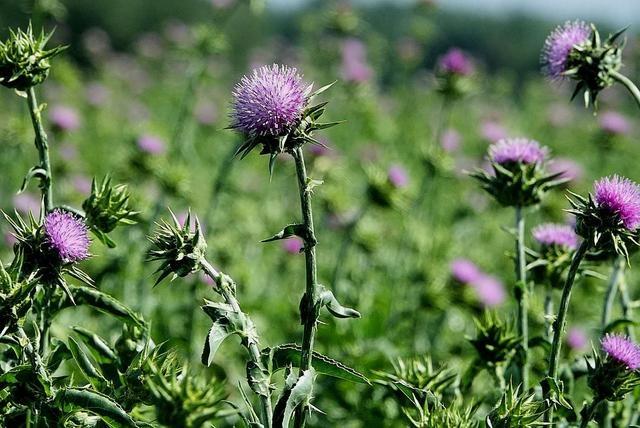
x: 615, y: 12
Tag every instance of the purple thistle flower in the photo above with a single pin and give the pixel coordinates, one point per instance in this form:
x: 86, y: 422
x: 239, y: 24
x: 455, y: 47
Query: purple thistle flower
x: 490, y: 290
x: 292, y: 245
x: 614, y: 123
x: 67, y: 235
x: 354, y: 61
x: 450, y: 140
x: 558, y: 46
x: 569, y: 169
x: 556, y: 234
x: 622, y: 350
x: 577, y: 339
x: 455, y: 61
x: 517, y: 150
x: 619, y: 196
x: 206, y: 113
x: 492, y: 131
x: 465, y: 271
x: 26, y: 203
x: 151, y: 144
x: 398, y: 176
x: 269, y: 102
x: 64, y: 118
x: 97, y: 94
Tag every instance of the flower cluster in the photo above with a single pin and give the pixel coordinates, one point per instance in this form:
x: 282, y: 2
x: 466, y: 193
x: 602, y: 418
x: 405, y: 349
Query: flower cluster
x: 518, y: 175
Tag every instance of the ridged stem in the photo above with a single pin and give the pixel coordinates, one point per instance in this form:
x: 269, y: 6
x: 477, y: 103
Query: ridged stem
x: 43, y: 148
x: 559, y: 324
x: 522, y: 296
x: 309, y: 314
x: 627, y: 83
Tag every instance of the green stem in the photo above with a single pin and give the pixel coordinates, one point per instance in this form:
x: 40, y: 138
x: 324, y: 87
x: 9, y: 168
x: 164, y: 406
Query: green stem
x: 612, y: 288
x: 345, y: 245
x: 309, y: 311
x: 226, y: 290
x: 43, y: 149
x: 548, y: 312
x: 522, y: 296
x: 588, y: 412
x: 559, y: 324
x: 627, y: 83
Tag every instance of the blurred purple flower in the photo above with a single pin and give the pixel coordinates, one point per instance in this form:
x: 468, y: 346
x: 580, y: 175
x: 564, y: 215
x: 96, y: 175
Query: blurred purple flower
x: 149, y: 45
x: 292, y: 245
x: 268, y: 102
x: 64, y: 118
x: 206, y: 113
x: 151, y: 144
x: 619, y: 196
x: 570, y: 169
x: 10, y: 239
x: 614, y: 123
x: 97, y: 94
x: 517, y: 150
x: 465, y: 271
x: 558, y: 46
x: 622, y: 349
x: 81, y: 184
x: 354, y: 61
x: 398, y: 176
x: 492, y: 131
x: 577, y: 339
x: 26, y: 203
x: 490, y: 290
x: 450, y: 140
x: 67, y: 235
x: 556, y: 234
x: 455, y: 61
x: 96, y: 41
x: 221, y: 4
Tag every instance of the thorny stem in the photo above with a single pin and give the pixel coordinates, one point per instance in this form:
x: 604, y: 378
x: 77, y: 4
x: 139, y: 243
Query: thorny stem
x: 43, y: 149
x: 225, y: 289
x: 522, y: 296
x: 559, y: 324
x: 612, y: 288
x: 309, y: 313
x: 627, y: 83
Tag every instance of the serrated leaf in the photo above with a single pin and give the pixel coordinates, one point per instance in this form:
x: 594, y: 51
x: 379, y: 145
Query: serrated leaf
x: 100, y: 349
x: 105, y: 303
x: 217, y: 334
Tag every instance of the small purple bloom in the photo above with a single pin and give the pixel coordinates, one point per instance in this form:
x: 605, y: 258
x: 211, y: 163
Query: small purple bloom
x: 354, y: 61
x: 614, y: 123
x: 151, y: 144
x: 64, y: 118
x: 577, y: 339
x: 292, y: 245
x: 450, y: 140
x: 619, y: 196
x: 621, y: 349
x: 97, y: 94
x: 558, y: 47
x: 492, y: 131
x: 490, y: 290
x: 81, y: 184
x: 465, y: 271
x: 455, y: 61
x: 26, y: 203
x: 560, y: 235
x: 269, y: 102
x: 569, y: 169
x: 67, y: 235
x: 206, y: 113
x: 398, y: 176
x: 517, y: 150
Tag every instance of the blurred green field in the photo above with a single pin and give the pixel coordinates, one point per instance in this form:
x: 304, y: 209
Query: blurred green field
x: 172, y: 80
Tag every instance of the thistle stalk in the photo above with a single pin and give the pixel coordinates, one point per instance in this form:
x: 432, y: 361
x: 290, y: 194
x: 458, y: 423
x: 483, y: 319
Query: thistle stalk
x: 627, y: 83
x: 43, y: 149
x: 612, y: 288
x: 588, y: 412
x: 559, y: 323
x: 522, y: 296
x: 227, y: 293
x: 309, y: 312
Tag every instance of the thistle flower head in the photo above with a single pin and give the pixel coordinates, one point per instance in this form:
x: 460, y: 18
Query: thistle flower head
x: 495, y: 340
x: 67, y: 235
x: 620, y: 197
x: 619, y: 348
x: 559, y: 44
x: 269, y: 102
x: 398, y: 176
x: 614, y: 123
x: 465, y: 271
x: 560, y: 235
x: 455, y: 61
x: 517, y: 150
x: 489, y: 290
x: 24, y: 61
x: 180, y: 247
x: 64, y: 118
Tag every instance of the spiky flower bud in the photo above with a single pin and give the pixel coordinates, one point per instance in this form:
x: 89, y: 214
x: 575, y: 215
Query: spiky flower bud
x: 106, y: 208
x: 495, y: 340
x: 556, y: 244
x: 516, y: 410
x: 387, y: 190
x: 610, y: 217
x: 576, y: 50
x: 454, y: 74
x: 518, y: 176
x: 271, y: 107
x: 24, y: 61
x: 613, y: 376
x: 179, y: 247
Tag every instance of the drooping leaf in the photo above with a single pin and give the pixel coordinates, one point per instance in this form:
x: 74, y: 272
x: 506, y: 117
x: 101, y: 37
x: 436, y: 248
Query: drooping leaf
x: 74, y: 399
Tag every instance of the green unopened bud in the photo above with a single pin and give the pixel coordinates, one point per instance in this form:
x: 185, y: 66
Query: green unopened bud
x: 495, y: 340
x: 516, y: 410
x: 106, y: 208
x: 180, y: 248
x: 24, y: 61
